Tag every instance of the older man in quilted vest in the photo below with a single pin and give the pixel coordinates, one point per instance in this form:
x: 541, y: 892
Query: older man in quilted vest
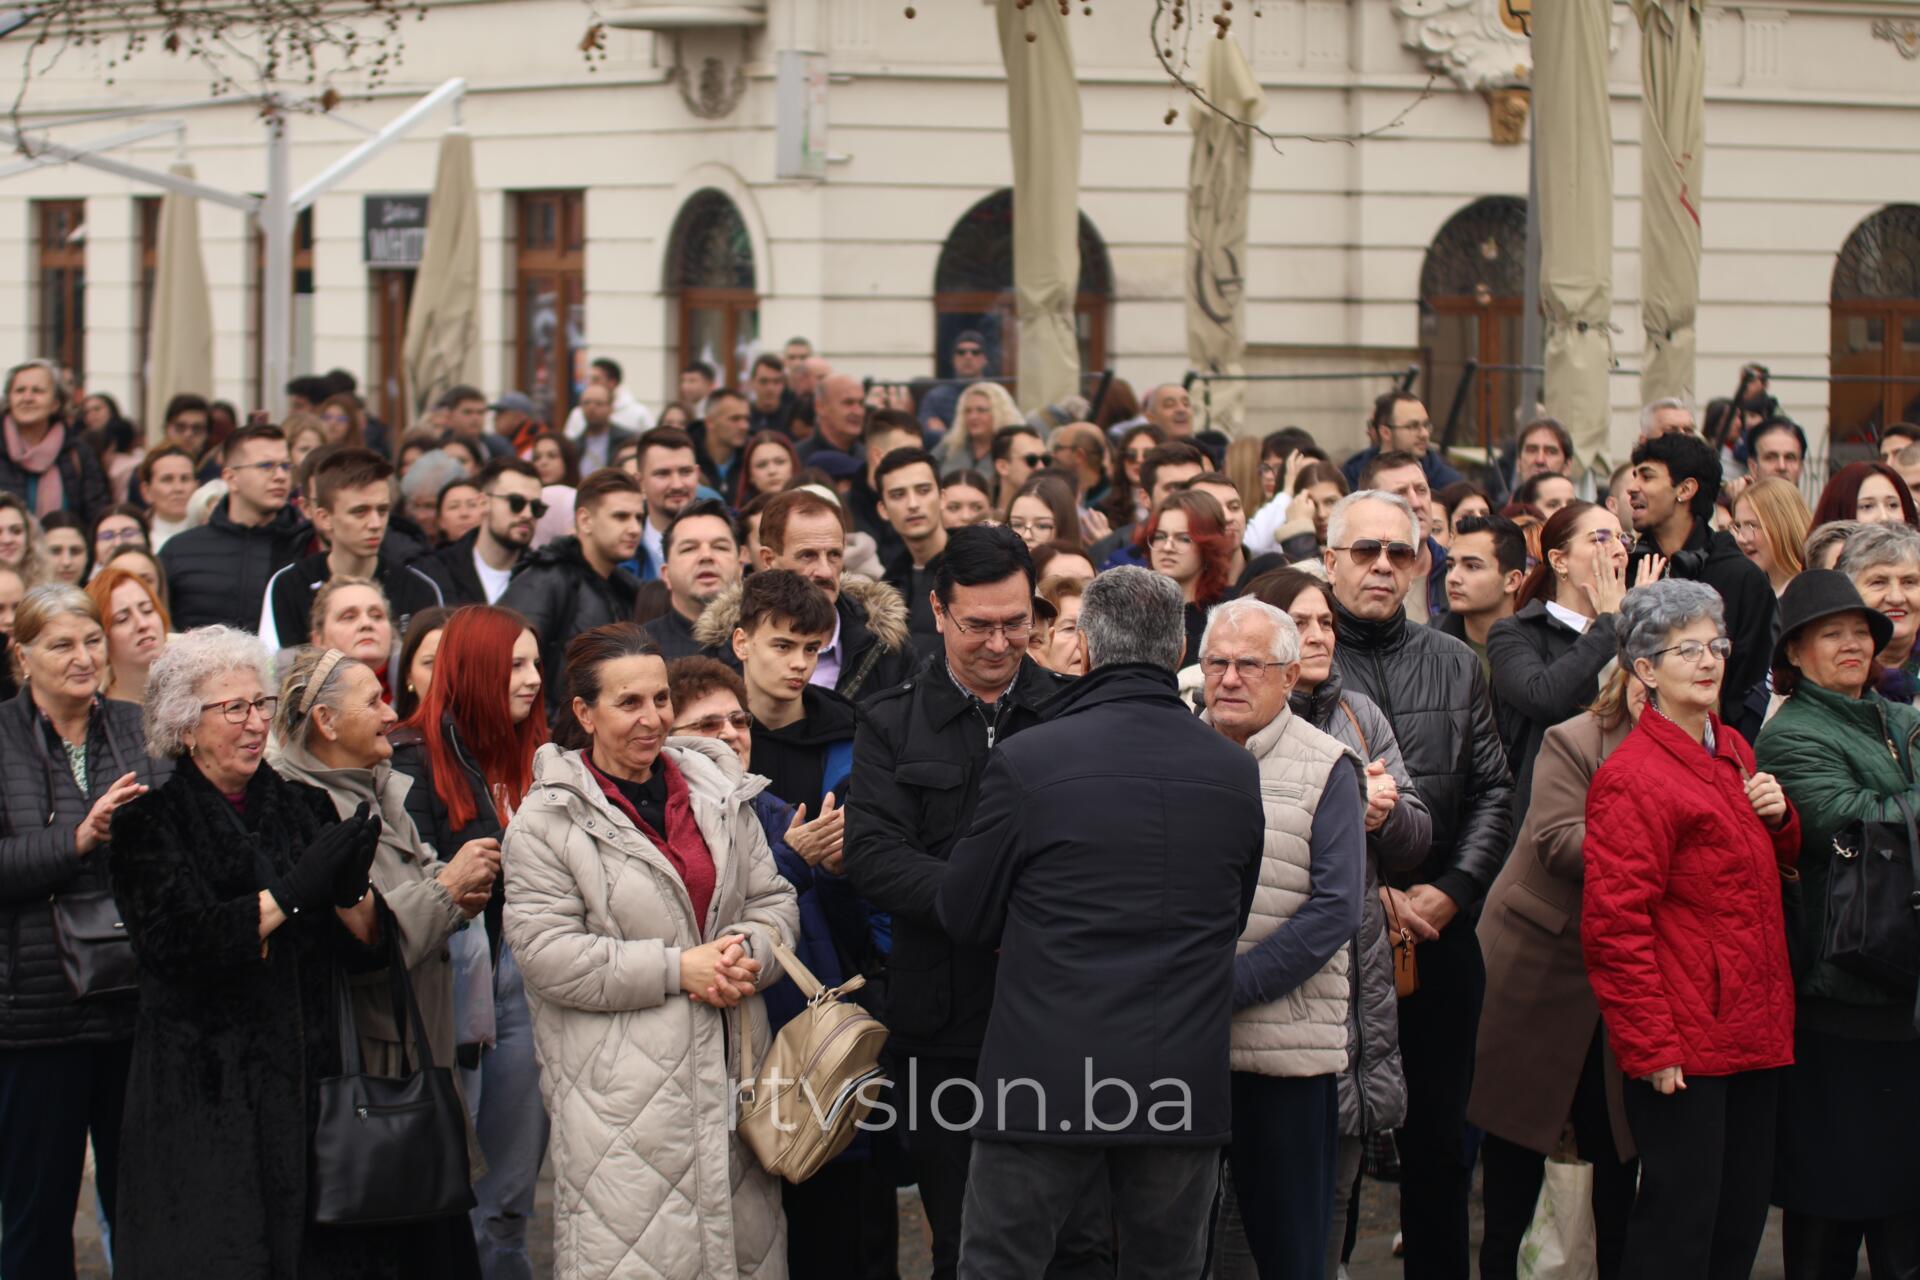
x: 1290, y: 981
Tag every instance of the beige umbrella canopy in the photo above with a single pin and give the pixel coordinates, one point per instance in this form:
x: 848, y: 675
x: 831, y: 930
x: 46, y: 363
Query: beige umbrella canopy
x: 1219, y: 181
x: 443, y: 322
x: 180, y: 358
x: 1575, y: 171
x: 1043, y: 118
x: 1672, y: 153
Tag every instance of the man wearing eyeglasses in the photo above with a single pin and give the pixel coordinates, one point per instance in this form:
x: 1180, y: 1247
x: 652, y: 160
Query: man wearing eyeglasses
x: 218, y: 572
x: 917, y: 761
x: 1291, y: 981
x: 352, y: 502
x: 1435, y: 695
x: 1400, y: 422
x: 969, y: 365
x: 477, y: 568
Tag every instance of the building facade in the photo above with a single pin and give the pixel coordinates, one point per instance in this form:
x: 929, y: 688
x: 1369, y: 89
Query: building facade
x: 634, y: 209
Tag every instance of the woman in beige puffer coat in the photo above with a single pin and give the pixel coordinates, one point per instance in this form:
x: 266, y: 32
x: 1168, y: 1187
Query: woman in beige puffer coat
x: 637, y: 1073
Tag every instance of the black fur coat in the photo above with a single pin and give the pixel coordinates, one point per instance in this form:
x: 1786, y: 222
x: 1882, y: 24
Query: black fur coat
x: 230, y: 1046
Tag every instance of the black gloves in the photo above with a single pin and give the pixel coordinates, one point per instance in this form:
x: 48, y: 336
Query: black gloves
x: 335, y: 862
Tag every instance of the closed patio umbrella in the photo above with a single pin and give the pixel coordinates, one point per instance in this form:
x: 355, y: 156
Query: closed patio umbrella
x: 443, y: 321
x: 1219, y: 181
x: 1043, y: 119
x: 1672, y: 154
x: 1575, y: 171
x: 180, y: 358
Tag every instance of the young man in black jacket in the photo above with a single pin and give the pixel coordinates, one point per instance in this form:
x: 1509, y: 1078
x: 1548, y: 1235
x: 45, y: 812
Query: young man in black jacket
x: 1112, y: 861
x: 917, y: 759
x: 802, y: 734
x: 1670, y: 495
x: 351, y: 502
x: 218, y: 572
x: 1432, y: 689
x: 477, y: 568
x: 574, y: 584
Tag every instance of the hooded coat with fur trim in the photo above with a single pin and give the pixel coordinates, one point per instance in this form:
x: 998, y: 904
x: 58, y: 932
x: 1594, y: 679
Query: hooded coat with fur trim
x: 650, y: 1181
x: 874, y: 649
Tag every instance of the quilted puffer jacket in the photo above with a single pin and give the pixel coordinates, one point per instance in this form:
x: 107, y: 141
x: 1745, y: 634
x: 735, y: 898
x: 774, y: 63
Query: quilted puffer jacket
x: 1436, y: 698
x: 649, y: 1179
x: 40, y: 810
x: 1681, y: 922
x: 1373, y: 1088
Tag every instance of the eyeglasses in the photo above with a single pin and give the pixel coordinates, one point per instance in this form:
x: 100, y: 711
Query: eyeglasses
x: 518, y: 502
x: 1033, y: 459
x: 1272, y: 470
x: 271, y: 468
x: 1601, y: 538
x: 710, y: 726
x: 1691, y: 651
x: 987, y: 630
x: 1250, y: 669
x: 119, y: 535
x: 1400, y: 555
x: 240, y: 710
x: 1032, y: 528
x: 1140, y: 455
x: 1165, y: 539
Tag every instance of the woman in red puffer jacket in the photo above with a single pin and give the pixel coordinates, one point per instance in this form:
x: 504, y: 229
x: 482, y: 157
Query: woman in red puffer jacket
x: 1686, y: 944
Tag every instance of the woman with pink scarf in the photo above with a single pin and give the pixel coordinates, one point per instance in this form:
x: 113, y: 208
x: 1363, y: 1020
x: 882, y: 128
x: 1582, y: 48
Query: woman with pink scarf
x: 44, y: 463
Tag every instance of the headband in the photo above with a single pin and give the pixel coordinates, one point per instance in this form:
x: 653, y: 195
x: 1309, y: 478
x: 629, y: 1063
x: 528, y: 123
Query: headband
x: 324, y: 668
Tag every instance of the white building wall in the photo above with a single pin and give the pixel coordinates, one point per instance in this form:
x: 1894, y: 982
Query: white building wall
x: 1811, y: 125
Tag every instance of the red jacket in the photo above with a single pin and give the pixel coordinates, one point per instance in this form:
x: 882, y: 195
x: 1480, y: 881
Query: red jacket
x: 1682, y: 927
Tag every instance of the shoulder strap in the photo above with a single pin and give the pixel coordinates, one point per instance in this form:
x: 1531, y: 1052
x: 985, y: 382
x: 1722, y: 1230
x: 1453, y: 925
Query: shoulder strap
x: 1355, y: 722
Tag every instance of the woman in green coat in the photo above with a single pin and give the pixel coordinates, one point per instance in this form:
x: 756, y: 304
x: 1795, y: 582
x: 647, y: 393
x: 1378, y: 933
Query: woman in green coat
x: 1847, y: 1160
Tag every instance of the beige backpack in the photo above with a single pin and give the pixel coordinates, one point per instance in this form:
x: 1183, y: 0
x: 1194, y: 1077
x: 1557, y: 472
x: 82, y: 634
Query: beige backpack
x: 799, y: 1107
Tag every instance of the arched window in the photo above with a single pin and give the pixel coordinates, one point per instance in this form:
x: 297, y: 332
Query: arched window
x: 1471, y: 287
x: 973, y: 289
x: 716, y: 309
x: 1876, y: 325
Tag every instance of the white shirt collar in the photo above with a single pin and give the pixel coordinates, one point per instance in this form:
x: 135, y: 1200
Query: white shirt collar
x: 1578, y: 621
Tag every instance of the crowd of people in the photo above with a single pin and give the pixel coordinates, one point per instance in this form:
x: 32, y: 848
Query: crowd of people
x: 1212, y: 823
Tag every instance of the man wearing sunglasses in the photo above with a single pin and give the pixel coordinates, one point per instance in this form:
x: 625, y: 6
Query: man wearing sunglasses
x: 1435, y: 695
x: 218, y: 572
x: 1017, y: 452
x: 937, y: 409
x: 351, y: 504
x: 475, y: 570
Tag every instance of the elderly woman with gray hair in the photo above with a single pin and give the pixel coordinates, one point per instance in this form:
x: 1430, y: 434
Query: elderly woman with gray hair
x: 246, y: 898
x: 1685, y: 942
x: 332, y: 727
x: 1884, y: 562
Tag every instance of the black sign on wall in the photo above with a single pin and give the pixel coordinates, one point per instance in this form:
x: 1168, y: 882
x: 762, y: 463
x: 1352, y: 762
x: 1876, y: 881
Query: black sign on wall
x: 396, y: 230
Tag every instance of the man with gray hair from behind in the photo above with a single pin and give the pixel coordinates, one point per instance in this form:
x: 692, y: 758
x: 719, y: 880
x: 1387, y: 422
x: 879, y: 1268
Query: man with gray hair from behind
x: 1113, y: 860
x: 1290, y: 982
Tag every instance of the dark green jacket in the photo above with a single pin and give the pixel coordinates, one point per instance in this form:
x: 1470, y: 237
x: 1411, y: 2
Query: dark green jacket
x: 1840, y: 760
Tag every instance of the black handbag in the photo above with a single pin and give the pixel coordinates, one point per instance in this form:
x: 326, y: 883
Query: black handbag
x: 389, y: 1150
x: 95, y: 954
x: 1872, y: 925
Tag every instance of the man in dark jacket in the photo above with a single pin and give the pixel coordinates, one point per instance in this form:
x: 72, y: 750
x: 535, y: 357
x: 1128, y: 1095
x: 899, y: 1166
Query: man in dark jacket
x: 1400, y: 421
x: 352, y: 498
x: 1432, y: 690
x: 802, y: 734
x: 917, y: 759
x: 908, y: 481
x: 703, y: 559
x: 1112, y: 861
x: 1670, y: 495
x: 477, y: 568
x: 574, y: 584
x: 218, y: 572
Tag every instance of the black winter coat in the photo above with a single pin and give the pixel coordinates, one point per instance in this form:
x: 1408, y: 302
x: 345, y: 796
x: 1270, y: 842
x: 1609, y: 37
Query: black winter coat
x: 1113, y: 861
x: 1544, y: 672
x: 1715, y: 559
x: 231, y: 1043
x: 218, y: 572
x: 451, y: 568
x: 40, y: 810
x: 83, y: 482
x: 429, y: 812
x: 917, y: 758
x: 290, y: 594
x: 560, y: 596
x: 1435, y: 697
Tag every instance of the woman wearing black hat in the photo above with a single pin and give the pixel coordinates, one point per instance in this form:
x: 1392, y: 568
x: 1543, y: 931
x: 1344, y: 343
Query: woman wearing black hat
x: 1847, y: 1160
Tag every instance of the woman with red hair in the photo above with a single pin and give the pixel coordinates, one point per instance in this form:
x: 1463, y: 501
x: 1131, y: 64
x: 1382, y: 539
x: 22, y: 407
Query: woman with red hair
x: 1871, y: 492
x: 1186, y: 539
x: 469, y: 750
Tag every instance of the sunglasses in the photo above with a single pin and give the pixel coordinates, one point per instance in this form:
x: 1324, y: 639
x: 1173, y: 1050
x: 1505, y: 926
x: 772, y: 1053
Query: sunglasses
x: 1035, y: 460
x: 518, y: 502
x: 1400, y: 555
